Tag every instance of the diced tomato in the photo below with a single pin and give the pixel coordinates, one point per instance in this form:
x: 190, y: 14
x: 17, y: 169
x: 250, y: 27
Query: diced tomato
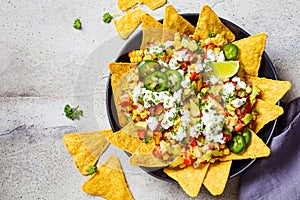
x: 187, y: 162
x: 141, y: 134
x: 125, y: 103
x: 211, y: 146
x: 227, y: 113
x: 204, y: 85
x: 210, y: 46
x: 185, y: 65
x: 193, y: 141
x: 193, y: 76
x: 226, y: 137
x: 248, y: 107
x: 239, y: 127
x: 157, y: 153
x: 238, y: 112
x: 159, y: 109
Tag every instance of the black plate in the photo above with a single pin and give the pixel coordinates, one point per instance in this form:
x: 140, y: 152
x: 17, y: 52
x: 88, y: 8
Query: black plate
x: 266, y: 70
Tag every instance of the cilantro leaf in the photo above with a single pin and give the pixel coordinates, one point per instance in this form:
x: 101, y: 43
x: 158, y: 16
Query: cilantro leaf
x: 77, y: 24
x: 73, y: 113
x: 107, y: 17
x: 92, y: 169
x: 146, y: 140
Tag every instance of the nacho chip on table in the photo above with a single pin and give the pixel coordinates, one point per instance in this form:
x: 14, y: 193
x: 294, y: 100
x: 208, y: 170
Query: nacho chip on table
x: 127, y: 4
x: 189, y: 178
x: 209, y: 22
x: 129, y: 22
x: 86, y: 148
x: 217, y: 176
x: 108, y: 181
x: 266, y: 113
x: 250, y: 52
x: 256, y: 149
x: 271, y: 91
x: 143, y: 157
x: 153, y: 4
x: 118, y: 70
x: 175, y: 22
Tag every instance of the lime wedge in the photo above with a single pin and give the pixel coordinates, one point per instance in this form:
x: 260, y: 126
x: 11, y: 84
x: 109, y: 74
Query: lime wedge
x: 225, y: 69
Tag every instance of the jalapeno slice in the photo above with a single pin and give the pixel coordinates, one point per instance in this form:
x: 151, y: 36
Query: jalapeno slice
x: 174, y: 78
x: 247, y: 136
x: 146, y: 67
x: 237, y: 144
x: 156, y: 81
x: 230, y: 51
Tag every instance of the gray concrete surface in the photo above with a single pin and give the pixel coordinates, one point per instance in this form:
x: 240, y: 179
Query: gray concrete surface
x: 46, y: 63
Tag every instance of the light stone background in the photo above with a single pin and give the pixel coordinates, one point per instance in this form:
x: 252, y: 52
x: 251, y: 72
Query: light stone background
x: 46, y: 64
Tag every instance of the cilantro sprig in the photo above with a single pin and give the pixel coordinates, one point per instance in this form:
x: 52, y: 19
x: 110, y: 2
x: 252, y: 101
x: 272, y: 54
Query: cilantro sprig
x: 73, y: 113
x: 91, y: 170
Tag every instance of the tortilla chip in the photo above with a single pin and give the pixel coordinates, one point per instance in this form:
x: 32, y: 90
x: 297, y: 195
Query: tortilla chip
x: 126, y: 4
x: 271, y: 91
x: 129, y: 22
x: 108, y: 181
x: 153, y: 4
x: 119, y: 68
x: 175, y: 22
x: 266, y: 112
x: 124, y: 140
x: 250, y: 52
x: 143, y: 157
x: 152, y: 31
x: 217, y: 176
x: 256, y: 149
x: 209, y: 22
x: 189, y: 178
x: 86, y: 148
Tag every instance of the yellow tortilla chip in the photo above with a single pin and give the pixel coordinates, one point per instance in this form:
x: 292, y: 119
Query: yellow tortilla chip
x: 86, y: 148
x: 152, y: 31
x: 209, y: 22
x: 124, y: 140
x: 256, y: 149
x: 217, y: 176
x: 129, y: 22
x: 271, y: 91
x: 126, y: 4
x: 108, y: 181
x: 153, y: 4
x: 266, y: 112
x: 119, y: 68
x: 189, y: 178
x: 174, y: 21
x: 250, y: 52
x: 143, y: 156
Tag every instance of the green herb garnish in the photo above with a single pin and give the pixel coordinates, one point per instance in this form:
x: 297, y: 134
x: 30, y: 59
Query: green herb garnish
x: 92, y: 169
x: 146, y: 140
x: 211, y: 34
x: 107, y: 17
x: 73, y: 113
x: 77, y: 24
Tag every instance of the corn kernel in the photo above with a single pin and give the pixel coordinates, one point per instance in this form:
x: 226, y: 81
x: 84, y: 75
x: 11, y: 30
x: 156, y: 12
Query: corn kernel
x: 226, y: 151
x: 165, y: 157
x: 139, y: 59
x: 143, y: 115
x: 147, y: 57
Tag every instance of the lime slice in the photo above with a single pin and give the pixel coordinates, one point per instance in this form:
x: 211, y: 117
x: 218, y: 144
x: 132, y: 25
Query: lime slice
x: 225, y: 69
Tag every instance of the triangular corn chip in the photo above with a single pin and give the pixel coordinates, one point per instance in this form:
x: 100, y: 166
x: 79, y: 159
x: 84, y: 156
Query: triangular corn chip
x: 129, y: 22
x: 209, y: 22
x: 256, y: 149
x: 271, y: 91
x: 108, y: 181
x: 124, y: 140
x: 120, y: 68
x: 175, y: 22
x: 126, y: 4
x: 153, y: 4
x: 250, y: 52
x: 266, y: 112
x: 143, y: 157
x: 189, y: 178
x: 86, y: 148
x: 217, y: 176
x: 152, y: 31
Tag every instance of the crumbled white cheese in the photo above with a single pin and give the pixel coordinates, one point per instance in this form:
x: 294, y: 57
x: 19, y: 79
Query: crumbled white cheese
x: 238, y: 102
x: 152, y: 123
x: 168, y: 119
x: 185, y: 117
x: 181, y: 133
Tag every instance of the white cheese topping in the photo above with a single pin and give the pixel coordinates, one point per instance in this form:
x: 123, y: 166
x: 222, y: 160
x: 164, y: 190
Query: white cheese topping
x: 181, y: 133
x: 238, y: 102
x: 152, y: 123
x: 168, y: 119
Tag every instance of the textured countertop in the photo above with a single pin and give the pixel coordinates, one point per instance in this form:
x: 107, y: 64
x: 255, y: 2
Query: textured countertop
x: 46, y: 64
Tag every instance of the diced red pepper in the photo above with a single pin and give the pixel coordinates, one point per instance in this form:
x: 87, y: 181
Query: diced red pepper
x: 210, y: 46
x: 157, y: 153
x: 211, y: 146
x: 187, y: 162
x: 193, y: 141
x: 193, y: 76
x: 226, y: 137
